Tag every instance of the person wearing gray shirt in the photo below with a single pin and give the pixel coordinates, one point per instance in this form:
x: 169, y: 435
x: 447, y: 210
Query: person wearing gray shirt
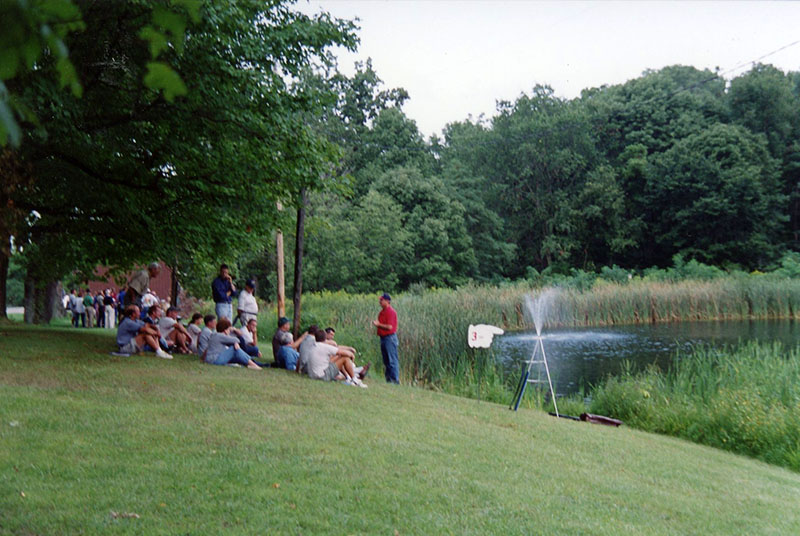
x: 202, y: 339
x: 223, y: 348
x: 305, y: 349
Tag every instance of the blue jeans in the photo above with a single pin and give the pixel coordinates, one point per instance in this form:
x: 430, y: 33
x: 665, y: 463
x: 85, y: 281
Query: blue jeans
x: 287, y: 358
x: 391, y: 361
x: 232, y: 355
x: 224, y: 310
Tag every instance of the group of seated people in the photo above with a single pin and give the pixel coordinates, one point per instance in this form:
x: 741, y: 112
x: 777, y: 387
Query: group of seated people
x: 218, y: 342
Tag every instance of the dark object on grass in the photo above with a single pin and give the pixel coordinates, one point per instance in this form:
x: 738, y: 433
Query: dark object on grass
x: 520, y: 390
x: 599, y: 419
x: 570, y: 417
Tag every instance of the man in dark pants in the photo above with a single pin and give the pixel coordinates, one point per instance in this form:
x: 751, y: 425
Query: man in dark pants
x: 387, y: 331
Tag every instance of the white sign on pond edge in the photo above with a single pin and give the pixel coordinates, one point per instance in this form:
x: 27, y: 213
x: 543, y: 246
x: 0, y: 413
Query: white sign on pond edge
x: 481, y: 335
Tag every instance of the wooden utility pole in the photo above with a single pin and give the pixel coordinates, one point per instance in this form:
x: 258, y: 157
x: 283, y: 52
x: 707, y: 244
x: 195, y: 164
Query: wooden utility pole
x: 281, y: 278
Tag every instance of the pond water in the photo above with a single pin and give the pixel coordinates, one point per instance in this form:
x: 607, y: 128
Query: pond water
x: 580, y: 357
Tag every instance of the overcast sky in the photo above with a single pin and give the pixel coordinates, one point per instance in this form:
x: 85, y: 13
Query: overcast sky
x: 457, y: 58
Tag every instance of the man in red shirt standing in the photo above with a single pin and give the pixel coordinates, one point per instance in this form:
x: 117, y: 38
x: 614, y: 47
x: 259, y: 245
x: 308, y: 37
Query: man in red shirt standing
x: 387, y: 331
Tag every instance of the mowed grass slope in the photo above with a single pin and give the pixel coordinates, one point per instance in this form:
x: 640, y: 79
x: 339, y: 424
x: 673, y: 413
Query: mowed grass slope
x: 196, y: 449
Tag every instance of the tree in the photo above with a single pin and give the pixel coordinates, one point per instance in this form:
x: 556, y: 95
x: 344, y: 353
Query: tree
x: 715, y: 198
x: 122, y: 165
x: 442, y: 249
x: 538, y: 154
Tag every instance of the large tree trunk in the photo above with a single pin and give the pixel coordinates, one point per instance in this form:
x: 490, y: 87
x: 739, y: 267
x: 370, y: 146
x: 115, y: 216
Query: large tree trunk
x: 298, y: 263
x: 42, y: 301
x: 52, y: 302
x: 5, y: 250
x: 174, y: 287
x: 30, y: 299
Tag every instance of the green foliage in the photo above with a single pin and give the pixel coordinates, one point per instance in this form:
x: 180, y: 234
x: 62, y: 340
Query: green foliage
x: 717, y: 197
x: 15, y: 283
x: 27, y: 32
x: 744, y: 400
x: 789, y: 265
x: 125, y: 177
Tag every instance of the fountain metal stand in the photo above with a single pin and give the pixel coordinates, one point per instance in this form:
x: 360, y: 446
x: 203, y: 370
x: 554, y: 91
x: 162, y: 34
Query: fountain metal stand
x: 526, y: 379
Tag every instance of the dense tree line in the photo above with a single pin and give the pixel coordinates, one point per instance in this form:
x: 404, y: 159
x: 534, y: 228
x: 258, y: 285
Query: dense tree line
x: 675, y: 162
x: 142, y: 130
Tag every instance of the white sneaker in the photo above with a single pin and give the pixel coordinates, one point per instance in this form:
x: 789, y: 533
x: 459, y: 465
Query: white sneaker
x: 358, y: 383
x: 162, y: 354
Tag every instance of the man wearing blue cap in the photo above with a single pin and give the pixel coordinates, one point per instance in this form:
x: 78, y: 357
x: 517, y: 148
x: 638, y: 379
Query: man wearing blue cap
x: 387, y: 331
x: 284, y: 347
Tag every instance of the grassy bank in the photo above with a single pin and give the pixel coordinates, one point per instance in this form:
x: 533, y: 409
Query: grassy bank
x: 92, y: 443
x: 745, y: 400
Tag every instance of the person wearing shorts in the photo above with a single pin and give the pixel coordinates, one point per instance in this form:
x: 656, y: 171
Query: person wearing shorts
x: 329, y: 363
x: 134, y: 336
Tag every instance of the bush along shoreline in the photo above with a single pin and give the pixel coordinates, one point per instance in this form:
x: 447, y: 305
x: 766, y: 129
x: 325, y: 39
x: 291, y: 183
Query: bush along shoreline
x: 744, y: 400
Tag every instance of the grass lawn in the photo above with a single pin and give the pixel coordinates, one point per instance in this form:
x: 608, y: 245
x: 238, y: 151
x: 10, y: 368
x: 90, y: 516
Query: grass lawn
x: 91, y: 444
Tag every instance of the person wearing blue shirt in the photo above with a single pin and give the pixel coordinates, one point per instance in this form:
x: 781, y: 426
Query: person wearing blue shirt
x: 134, y: 336
x: 222, y: 289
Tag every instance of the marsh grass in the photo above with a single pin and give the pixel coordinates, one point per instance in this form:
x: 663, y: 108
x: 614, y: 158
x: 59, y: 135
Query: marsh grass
x: 745, y: 400
x: 433, y: 324
x: 195, y: 449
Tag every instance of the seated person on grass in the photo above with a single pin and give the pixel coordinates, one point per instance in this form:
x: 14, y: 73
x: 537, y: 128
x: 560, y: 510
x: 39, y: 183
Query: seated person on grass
x: 153, y: 317
x: 330, y: 362
x: 304, y: 350
x: 194, y: 328
x: 248, y: 337
x: 134, y: 336
x: 173, y: 331
x: 284, y: 347
x: 223, y: 348
x: 210, y: 322
x: 330, y: 333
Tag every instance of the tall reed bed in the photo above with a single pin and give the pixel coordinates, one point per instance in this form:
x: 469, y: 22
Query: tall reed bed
x: 433, y: 324
x: 745, y: 400
x: 643, y: 301
x: 432, y: 333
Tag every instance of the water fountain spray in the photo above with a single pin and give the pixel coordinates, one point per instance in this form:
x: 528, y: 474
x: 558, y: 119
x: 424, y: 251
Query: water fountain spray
x: 539, y: 309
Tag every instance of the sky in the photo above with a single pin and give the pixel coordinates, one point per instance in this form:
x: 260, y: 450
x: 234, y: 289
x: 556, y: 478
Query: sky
x: 458, y: 58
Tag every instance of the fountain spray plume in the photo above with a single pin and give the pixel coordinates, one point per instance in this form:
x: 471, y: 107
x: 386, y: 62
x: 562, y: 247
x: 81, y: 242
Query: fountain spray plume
x: 540, y: 307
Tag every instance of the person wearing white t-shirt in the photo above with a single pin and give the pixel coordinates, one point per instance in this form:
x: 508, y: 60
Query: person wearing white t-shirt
x: 328, y: 362
x: 174, y: 332
x: 247, y: 307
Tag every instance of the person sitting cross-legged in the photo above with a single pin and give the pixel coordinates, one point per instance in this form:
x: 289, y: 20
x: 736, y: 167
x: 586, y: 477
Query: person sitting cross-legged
x: 134, y: 336
x: 304, y: 350
x: 329, y: 362
x: 176, y: 335
x: 194, y: 328
x: 223, y: 348
x: 330, y: 333
x: 284, y: 347
x: 248, y: 336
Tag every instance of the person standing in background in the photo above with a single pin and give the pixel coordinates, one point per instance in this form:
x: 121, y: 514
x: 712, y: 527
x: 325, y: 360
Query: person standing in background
x: 222, y: 289
x: 139, y: 283
x: 78, y: 309
x: 109, y: 310
x: 387, y: 331
x: 247, y: 306
x: 91, y: 312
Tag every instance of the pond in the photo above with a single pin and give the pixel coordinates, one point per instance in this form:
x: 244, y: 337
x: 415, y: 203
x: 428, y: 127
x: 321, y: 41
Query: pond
x: 580, y: 357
